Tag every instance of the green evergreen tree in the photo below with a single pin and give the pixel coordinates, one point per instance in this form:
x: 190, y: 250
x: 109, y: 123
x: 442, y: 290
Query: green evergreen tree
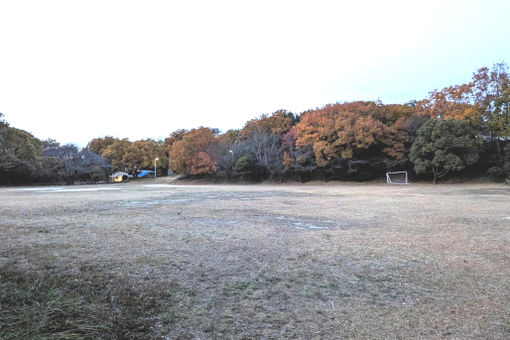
x: 442, y: 146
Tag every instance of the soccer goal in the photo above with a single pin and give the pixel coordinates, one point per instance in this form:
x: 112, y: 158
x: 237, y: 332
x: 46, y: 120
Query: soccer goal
x: 396, y: 177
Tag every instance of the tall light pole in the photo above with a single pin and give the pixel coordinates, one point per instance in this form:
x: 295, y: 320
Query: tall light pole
x: 231, y: 162
x: 155, y: 161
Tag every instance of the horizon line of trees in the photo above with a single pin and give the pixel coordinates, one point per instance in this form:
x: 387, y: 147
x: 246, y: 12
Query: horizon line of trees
x: 461, y: 130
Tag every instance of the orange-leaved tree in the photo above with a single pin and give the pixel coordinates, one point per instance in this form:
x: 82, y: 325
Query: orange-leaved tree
x: 353, y: 131
x: 115, y: 153
x: 98, y: 145
x: 142, y: 154
x: 484, y: 102
x: 189, y: 155
x: 278, y: 123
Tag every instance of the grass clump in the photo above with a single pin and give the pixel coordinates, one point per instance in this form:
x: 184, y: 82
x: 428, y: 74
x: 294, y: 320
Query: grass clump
x: 92, y: 305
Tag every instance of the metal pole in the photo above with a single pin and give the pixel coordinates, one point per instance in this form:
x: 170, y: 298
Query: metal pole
x: 155, y: 161
x: 231, y: 162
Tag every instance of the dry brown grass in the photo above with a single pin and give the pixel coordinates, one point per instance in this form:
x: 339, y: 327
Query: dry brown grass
x: 258, y: 261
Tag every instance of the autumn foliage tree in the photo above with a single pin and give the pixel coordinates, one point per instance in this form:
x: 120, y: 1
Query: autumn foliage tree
x: 99, y: 145
x: 190, y: 156
x: 141, y: 155
x: 130, y: 156
x: 261, y: 140
x: 278, y: 123
x: 297, y: 162
x: 115, y: 153
x: 355, y: 133
x: 354, y: 140
x: 484, y: 102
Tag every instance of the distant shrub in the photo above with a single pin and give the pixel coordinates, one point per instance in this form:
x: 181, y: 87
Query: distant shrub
x: 496, y: 174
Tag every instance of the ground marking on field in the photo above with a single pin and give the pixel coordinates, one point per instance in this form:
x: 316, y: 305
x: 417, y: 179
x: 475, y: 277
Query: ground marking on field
x: 84, y: 189
x: 172, y: 186
x: 35, y: 189
x: 61, y: 189
x: 301, y: 225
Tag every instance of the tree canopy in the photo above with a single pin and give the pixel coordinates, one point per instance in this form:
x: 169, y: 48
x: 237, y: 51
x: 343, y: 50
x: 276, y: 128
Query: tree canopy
x: 443, y: 146
x: 438, y: 135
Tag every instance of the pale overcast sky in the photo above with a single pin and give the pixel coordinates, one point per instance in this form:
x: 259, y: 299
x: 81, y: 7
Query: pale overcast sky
x: 75, y: 70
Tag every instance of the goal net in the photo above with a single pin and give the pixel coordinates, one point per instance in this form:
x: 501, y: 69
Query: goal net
x: 396, y: 177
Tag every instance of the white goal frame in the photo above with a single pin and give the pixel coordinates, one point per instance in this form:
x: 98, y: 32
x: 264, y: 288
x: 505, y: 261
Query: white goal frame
x: 388, y: 177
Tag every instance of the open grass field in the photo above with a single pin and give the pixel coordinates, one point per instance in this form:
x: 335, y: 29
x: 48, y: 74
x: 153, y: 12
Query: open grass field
x: 310, y: 261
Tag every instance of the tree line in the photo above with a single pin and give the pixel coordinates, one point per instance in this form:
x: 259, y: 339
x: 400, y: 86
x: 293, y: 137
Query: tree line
x: 461, y: 130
